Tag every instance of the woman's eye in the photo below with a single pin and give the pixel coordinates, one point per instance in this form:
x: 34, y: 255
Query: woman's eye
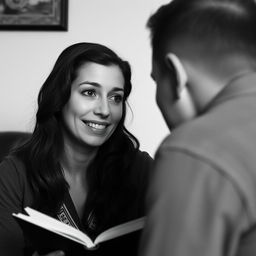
x: 117, y: 98
x: 90, y: 93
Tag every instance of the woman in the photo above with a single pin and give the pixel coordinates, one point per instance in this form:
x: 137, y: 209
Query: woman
x: 81, y: 165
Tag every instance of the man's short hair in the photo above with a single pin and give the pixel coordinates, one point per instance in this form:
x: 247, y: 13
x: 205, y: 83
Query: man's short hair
x: 226, y: 25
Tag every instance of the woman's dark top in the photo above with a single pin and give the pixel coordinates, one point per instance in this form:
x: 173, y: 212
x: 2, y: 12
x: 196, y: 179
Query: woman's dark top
x: 16, y: 194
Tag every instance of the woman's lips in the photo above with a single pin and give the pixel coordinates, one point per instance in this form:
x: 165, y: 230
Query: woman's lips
x: 96, y: 125
x: 99, y: 128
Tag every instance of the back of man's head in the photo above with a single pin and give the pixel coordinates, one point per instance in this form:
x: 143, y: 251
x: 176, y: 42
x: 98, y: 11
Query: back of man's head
x: 221, y: 25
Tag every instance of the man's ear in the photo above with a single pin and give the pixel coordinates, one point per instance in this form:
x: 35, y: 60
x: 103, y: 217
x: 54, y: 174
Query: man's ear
x: 184, y: 105
x: 173, y: 62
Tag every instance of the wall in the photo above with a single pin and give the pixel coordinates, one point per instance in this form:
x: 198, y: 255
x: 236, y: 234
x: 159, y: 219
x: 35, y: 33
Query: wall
x: 27, y: 58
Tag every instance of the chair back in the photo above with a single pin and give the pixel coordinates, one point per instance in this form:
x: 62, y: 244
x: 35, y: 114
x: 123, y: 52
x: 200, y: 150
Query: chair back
x: 10, y: 139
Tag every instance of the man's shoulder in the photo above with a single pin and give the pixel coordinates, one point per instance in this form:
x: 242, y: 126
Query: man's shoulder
x: 205, y: 139
x: 194, y: 134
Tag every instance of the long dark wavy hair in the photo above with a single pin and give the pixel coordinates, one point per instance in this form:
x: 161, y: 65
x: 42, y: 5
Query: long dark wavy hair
x: 108, y: 176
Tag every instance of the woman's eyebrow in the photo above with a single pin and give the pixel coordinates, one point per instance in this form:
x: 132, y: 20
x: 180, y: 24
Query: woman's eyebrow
x: 90, y: 83
x: 115, y: 89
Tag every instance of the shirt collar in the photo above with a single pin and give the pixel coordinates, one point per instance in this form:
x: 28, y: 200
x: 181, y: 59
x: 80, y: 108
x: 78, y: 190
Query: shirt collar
x: 241, y: 85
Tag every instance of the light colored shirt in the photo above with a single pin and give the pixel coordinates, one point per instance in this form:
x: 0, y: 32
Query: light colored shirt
x: 202, y: 200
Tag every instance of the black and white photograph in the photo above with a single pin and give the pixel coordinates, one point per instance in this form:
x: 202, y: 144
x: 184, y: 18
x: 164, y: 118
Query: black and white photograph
x: 127, y: 127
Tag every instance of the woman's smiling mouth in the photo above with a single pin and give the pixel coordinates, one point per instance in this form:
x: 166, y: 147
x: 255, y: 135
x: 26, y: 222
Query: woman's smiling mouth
x: 96, y: 125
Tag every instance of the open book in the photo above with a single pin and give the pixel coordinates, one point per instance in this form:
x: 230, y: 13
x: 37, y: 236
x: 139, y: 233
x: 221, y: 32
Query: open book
x: 43, y: 221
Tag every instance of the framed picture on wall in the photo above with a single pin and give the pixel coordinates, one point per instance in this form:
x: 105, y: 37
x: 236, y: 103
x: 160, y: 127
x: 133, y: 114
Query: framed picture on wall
x: 34, y: 15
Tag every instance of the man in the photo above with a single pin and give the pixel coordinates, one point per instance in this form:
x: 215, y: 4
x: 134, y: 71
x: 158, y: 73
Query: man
x: 202, y: 199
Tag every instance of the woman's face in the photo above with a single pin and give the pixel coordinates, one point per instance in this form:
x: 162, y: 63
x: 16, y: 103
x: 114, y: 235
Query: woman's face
x: 95, y: 106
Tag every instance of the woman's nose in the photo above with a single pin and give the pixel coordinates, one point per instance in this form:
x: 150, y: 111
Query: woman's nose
x: 102, y: 108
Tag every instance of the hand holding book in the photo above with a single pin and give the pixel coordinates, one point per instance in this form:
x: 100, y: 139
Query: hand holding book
x: 55, y: 253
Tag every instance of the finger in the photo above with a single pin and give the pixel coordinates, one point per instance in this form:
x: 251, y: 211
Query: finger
x: 55, y: 253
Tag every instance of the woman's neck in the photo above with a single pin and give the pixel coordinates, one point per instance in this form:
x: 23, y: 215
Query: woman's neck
x: 75, y: 159
x: 75, y: 163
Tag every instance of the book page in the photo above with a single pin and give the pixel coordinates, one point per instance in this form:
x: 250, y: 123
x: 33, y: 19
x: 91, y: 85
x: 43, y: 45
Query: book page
x: 121, y: 229
x: 56, y: 226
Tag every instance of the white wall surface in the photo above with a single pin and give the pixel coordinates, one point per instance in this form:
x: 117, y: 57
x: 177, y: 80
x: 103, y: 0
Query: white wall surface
x: 26, y: 59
